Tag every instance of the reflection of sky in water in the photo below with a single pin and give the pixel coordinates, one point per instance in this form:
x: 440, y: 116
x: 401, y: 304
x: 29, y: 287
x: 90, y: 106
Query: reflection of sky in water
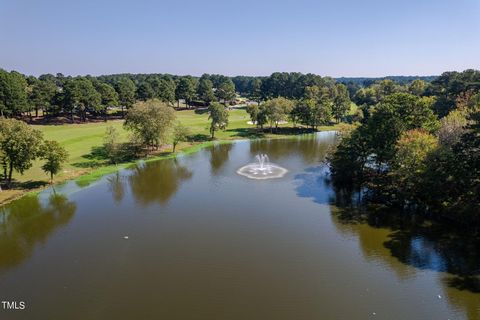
x: 312, y: 184
x: 424, y: 255
x: 198, y: 231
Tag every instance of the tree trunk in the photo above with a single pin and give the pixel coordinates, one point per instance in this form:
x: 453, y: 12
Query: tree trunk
x: 174, y: 145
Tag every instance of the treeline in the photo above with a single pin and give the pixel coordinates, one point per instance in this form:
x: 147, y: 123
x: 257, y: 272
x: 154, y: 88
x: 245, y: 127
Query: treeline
x: 417, y: 148
x: 55, y: 95
x: 367, y: 81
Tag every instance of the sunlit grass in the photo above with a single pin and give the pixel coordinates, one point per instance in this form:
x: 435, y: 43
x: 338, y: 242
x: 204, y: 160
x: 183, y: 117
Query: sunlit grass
x: 80, y: 139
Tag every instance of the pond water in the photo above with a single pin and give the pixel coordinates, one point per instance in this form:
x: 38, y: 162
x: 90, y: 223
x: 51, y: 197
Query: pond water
x: 189, y: 238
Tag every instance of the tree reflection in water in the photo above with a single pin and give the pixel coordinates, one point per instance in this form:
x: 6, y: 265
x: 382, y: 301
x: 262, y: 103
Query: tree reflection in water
x: 219, y: 156
x: 311, y: 148
x: 116, y: 185
x: 401, y: 241
x: 26, y: 223
x: 157, y: 181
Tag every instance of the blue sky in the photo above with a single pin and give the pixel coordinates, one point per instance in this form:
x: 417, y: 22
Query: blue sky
x: 326, y: 37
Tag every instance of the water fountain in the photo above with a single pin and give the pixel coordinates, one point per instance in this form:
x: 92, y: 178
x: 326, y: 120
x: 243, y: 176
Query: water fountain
x: 262, y: 169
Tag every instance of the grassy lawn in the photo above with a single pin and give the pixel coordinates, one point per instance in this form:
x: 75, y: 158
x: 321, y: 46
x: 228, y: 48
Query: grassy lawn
x: 80, y: 140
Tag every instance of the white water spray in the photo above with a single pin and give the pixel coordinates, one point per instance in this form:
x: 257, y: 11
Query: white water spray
x: 262, y: 169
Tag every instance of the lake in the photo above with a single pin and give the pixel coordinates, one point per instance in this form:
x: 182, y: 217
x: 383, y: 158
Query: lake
x: 189, y: 238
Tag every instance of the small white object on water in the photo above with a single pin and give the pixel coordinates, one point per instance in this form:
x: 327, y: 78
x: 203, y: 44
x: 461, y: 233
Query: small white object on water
x: 374, y: 313
x: 126, y: 237
x: 439, y: 297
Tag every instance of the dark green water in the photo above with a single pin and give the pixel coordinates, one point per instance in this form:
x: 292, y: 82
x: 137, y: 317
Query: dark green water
x: 206, y: 243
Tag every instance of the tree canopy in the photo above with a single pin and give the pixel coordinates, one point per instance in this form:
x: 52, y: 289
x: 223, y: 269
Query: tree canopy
x: 54, y: 155
x: 150, y: 122
x: 19, y: 145
x: 218, y: 114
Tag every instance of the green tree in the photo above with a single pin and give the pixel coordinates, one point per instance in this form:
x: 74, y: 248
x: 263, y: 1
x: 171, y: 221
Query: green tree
x: 80, y: 95
x: 452, y: 128
x: 111, y: 144
x: 451, y: 182
x: 180, y: 134
x: 253, y: 110
x: 145, y: 92
x: 262, y: 116
x: 277, y: 110
x: 19, y: 145
x: 409, y: 163
x: 13, y: 93
x: 366, y: 96
x: 150, y: 122
x: 42, y: 95
x: 218, y: 114
x: 348, y: 162
x: 451, y: 88
x: 167, y: 90
x: 54, y: 155
x: 126, y: 93
x: 417, y: 87
x: 316, y: 107
x: 256, y: 94
x: 185, y: 90
x: 205, y: 91
x: 322, y: 112
x: 153, y: 82
x: 303, y: 111
x: 372, y: 146
x: 225, y: 90
x: 313, y: 113
x: 341, y: 102
x: 394, y: 115
x: 108, y: 98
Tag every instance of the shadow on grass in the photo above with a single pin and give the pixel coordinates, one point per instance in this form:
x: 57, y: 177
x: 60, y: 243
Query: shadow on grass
x: 28, y: 185
x: 240, y: 108
x: 253, y: 133
x: 248, y: 133
x: 198, y: 137
x: 289, y: 130
x: 202, y: 110
x: 99, y: 157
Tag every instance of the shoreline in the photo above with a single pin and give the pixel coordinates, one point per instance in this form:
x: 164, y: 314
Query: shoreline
x: 83, y: 179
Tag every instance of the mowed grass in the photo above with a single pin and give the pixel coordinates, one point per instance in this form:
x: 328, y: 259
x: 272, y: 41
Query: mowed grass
x: 81, y: 140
